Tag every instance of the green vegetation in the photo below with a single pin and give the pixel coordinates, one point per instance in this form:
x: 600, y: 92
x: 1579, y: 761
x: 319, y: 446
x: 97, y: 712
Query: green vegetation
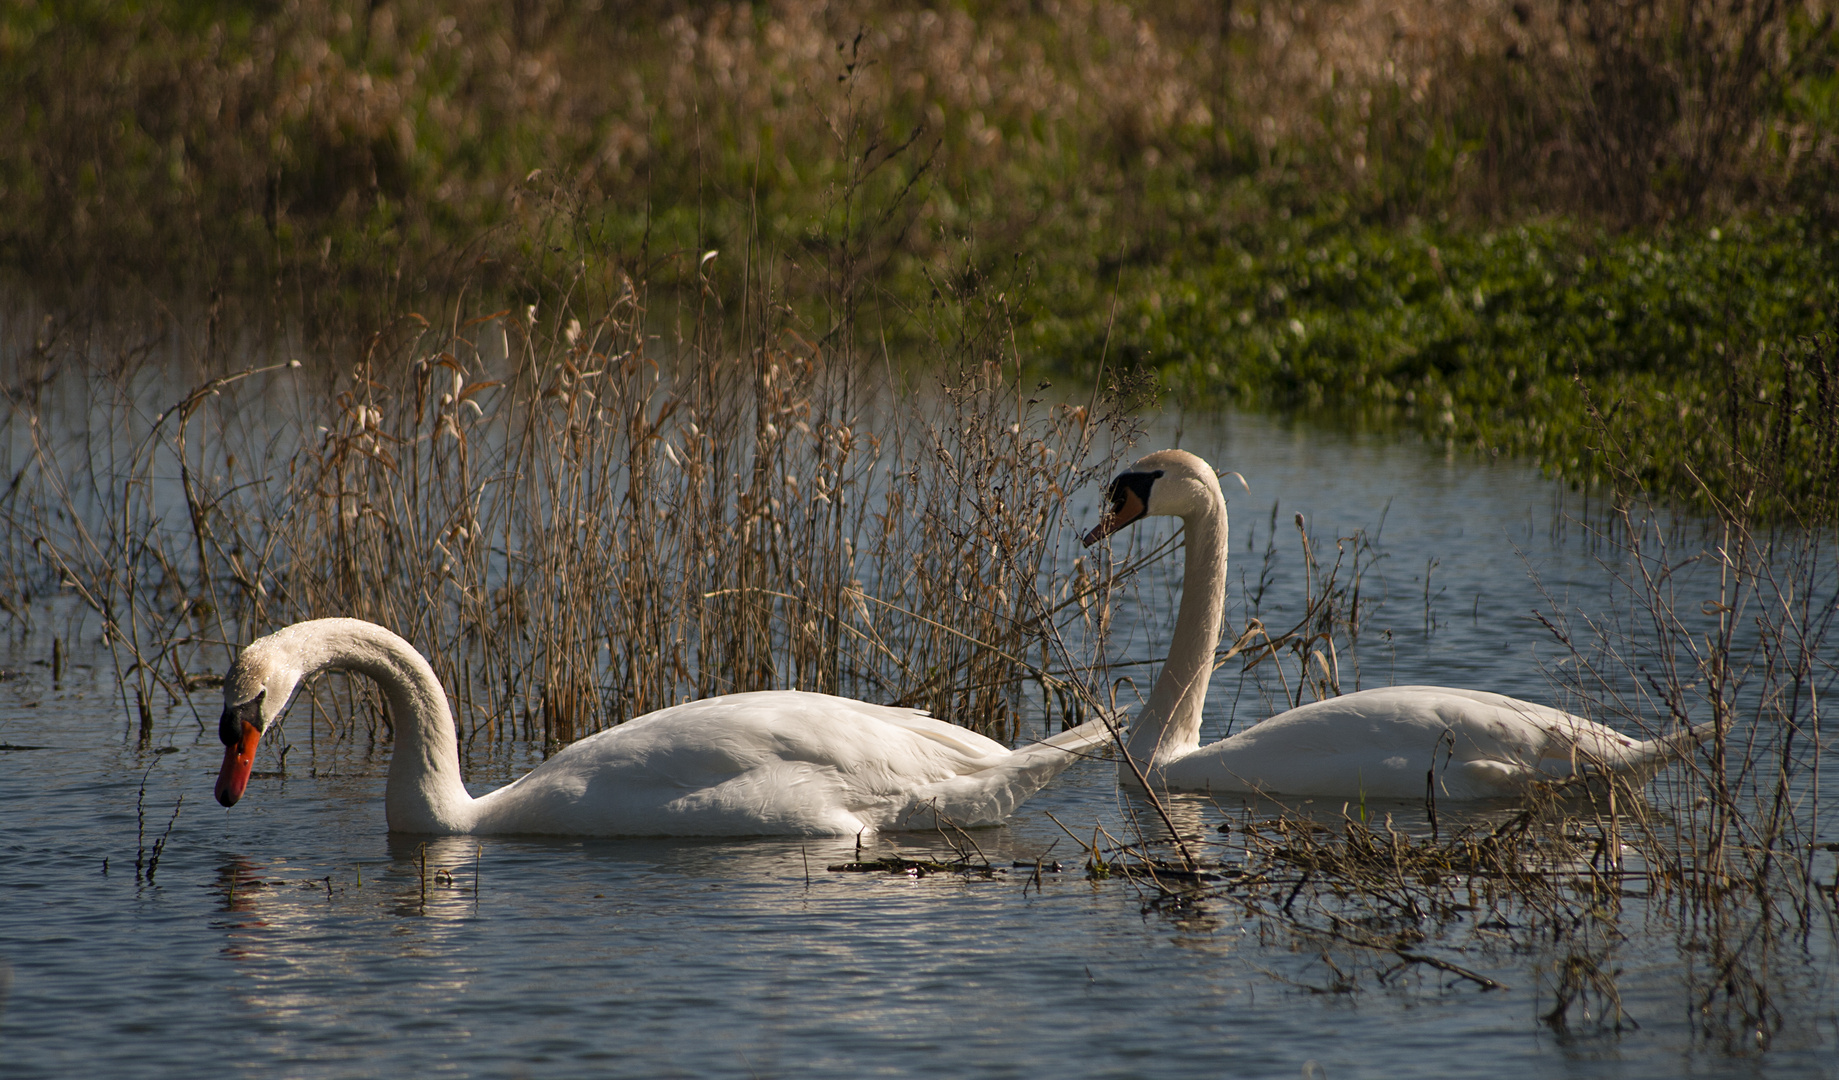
x: 1564, y: 344
x: 1534, y: 228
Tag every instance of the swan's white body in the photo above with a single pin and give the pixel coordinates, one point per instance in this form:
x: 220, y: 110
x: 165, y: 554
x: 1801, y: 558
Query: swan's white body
x: 770, y: 762
x: 1387, y: 743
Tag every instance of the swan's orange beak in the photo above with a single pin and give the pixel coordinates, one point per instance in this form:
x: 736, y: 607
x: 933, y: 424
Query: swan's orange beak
x: 238, y: 759
x: 1128, y: 508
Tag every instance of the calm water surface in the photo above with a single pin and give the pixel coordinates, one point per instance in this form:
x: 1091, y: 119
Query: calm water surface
x: 293, y: 937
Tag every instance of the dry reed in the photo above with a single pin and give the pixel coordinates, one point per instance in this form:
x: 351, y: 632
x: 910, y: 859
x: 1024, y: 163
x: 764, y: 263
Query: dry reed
x: 575, y: 525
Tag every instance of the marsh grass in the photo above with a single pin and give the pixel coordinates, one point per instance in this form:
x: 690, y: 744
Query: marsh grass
x: 1734, y: 625
x: 578, y: 525
x: 1573, y: 881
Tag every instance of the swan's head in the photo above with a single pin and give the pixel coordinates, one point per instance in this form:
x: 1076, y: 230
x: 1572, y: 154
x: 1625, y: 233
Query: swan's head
x: 1171, y: 483
x: 255, y: 692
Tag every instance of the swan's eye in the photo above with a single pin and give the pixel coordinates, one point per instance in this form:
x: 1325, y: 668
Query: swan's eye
x: 1129, y: 498
x: 230, y: 725
x: 1132, y: 483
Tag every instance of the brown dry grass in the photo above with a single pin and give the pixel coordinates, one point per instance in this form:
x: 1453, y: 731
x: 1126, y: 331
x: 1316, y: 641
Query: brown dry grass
x: 323, y: 143
x: 578, y: 525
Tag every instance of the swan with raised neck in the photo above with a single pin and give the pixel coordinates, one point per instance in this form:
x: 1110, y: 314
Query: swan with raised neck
x: 1175, y: 483
x: 1383, y: 743
x: 768, y: 762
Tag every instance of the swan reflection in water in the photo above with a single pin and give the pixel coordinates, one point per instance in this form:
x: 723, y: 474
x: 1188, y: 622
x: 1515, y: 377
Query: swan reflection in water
x: 435, y: 876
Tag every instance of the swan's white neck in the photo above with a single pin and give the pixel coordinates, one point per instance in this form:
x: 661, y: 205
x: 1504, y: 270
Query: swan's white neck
x: 424, y: 792
x: 1169, y: 726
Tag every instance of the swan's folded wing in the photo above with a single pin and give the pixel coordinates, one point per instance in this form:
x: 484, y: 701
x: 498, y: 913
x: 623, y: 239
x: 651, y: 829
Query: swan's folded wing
x: 960, y: 739
x: 988, y: 796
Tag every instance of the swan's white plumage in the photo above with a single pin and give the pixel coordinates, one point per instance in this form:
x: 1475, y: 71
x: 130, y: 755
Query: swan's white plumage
x: 769, y: 762
x: 1383, y: 743
x: 1386, y: 743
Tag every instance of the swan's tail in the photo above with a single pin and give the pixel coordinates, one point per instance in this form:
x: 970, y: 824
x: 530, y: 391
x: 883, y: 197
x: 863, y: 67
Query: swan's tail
x: 1087, y: 736
x: 1640, y: 760
x: 989, y: 796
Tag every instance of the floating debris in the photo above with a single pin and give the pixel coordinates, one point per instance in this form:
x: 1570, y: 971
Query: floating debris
x: 916, y: 868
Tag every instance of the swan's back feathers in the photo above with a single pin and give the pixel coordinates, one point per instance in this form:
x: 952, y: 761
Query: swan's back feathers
x: 922, y: 723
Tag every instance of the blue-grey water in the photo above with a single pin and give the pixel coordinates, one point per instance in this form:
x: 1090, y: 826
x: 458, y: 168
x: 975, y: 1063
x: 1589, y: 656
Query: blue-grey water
x: 294, y: 937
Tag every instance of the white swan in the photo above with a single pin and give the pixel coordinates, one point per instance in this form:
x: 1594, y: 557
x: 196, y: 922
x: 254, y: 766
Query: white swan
x: 771, y: 762
x: 1382, y: 743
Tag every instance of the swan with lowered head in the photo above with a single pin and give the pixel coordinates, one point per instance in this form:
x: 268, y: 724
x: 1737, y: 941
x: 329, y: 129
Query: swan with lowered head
x: 762, y: 763
x: 1381, y: 742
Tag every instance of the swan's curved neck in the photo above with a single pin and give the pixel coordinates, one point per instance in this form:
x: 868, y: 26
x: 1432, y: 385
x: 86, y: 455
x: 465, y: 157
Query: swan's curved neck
x: 424, y: 792
x: 1169, y: 726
